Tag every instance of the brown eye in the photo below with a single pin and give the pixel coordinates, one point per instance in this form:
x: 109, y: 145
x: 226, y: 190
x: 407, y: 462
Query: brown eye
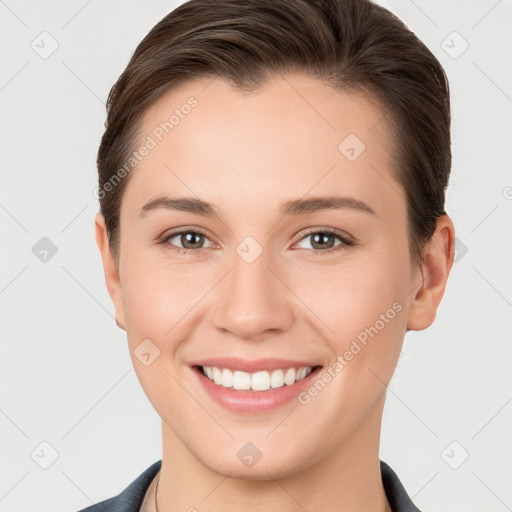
x: 191, y: 240
x: 183, y: 241
x: 325, y: 240
x: 322, y: 240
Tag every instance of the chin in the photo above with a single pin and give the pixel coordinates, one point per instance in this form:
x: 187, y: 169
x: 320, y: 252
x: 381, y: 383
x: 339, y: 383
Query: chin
x: 244, y: 461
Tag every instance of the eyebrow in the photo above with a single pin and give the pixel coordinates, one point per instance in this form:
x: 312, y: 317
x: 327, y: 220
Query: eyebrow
x: 295, y: 207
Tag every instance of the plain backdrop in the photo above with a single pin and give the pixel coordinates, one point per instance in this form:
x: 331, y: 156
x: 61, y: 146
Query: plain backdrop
x: 75, y: 425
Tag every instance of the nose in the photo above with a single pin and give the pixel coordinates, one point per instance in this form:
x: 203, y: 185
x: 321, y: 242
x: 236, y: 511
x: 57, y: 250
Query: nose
x: 254, y: 300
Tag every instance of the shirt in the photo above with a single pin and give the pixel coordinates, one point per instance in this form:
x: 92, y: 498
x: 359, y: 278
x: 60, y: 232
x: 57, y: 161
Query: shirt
x: 130, y: 500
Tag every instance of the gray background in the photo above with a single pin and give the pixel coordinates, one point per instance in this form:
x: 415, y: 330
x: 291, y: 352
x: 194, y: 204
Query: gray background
x: 66, y: 378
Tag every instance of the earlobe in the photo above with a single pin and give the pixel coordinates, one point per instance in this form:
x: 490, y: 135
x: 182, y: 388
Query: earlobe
x: 110, y: 269
x: 437, y: 263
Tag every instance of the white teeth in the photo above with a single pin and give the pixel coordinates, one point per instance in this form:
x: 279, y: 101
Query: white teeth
x: 260, y: 381
x: 289, y: 376
x: 257, y: 381
x: 303, y: 372
x: 277, y: 379
x: 217, y: 376
x: 241, y: 380
x: 227, y: 378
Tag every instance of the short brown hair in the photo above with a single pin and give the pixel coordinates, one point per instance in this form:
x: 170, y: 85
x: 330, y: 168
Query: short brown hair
x: 349, y: 44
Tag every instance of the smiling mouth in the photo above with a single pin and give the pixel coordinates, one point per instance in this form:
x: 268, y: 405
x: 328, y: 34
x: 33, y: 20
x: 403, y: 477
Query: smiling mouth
x: 259, y: 381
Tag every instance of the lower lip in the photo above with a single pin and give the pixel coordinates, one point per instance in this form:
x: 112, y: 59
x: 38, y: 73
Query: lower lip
x: 253, y: 402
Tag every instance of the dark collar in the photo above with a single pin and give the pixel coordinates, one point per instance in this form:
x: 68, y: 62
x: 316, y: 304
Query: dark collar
x: 397, y: 496
x: 130, y: 500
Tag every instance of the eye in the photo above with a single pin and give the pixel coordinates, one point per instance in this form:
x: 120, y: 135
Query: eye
x: 190, y: 240
x: 323, y: 240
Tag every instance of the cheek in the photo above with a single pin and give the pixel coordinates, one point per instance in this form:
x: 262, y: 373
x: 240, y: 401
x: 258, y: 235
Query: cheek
x: 363, y: 314
x: 161, y: 300
x: 156, y: 300
x: 361, y: 309
x: 350, y: 297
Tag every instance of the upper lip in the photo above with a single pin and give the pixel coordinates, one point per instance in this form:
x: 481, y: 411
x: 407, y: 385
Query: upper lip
x: 251, y: 366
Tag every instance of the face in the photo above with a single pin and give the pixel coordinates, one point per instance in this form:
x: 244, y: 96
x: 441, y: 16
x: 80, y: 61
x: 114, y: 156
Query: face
x: 291, y: 251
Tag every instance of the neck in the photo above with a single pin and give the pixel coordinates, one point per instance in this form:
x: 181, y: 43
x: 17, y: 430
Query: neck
x: 347, y: 479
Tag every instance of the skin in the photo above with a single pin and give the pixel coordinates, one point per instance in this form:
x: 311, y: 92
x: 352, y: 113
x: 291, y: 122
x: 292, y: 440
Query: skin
x: 247, y: 154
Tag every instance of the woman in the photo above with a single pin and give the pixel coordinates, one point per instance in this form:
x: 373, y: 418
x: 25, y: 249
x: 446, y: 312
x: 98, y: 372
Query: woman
x: 272, y: 181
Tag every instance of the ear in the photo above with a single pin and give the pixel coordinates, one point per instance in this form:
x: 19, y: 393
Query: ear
x: 110, y: 269
x: 437, y: 263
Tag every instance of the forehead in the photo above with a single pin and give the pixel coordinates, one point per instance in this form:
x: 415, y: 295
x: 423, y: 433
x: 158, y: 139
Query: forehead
x: 292, y: 136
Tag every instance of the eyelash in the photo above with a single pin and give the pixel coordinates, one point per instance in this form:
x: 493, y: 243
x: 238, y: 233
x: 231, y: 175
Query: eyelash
x: 346, y: 241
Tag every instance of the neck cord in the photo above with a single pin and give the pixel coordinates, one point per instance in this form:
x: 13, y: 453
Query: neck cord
x: 156, y: 493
